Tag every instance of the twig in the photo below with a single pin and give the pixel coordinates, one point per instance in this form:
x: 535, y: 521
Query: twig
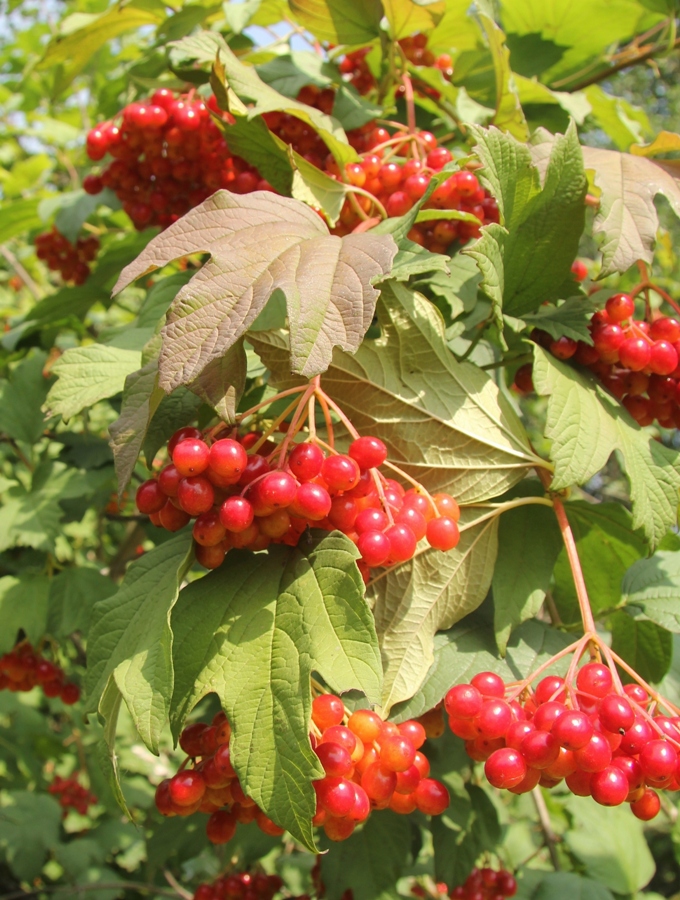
x: 172, y: 881
x: 35, y: 291
x: 549, y: 835
x: 134, y: 536
x: 618, y: 67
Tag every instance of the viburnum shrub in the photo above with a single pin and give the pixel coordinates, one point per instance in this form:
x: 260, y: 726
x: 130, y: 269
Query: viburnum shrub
x: 339, y: 467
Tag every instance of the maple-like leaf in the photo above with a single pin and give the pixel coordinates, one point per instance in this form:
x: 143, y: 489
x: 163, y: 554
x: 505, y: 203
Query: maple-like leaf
x: 627, y: 217
x: 259, y: 243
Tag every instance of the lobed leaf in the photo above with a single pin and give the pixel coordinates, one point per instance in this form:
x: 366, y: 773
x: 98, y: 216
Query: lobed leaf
x: 652, y: 587
x: 253, y: 631
x: 586, y: 425
x: 259, y: 243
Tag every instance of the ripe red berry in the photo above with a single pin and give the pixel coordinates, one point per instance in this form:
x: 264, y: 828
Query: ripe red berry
x: 615, y: 713
x: 171, y: 518
x: 647, y: 807
x: 663, y: 358
x: 494, y: 718
x: 596, y: 755
x: 489, y: 684
x: 70, y: 693
x: 340, y: 472
x: 378, y: 783
x: 343, y: 512
x: 402, y: 542
x: 186, y: 788
x: 370, y: 520
x: 620, y: 307
x: 311, y: 502
x: 195, y: 495
x: 150, y: 498
x: 368, y: 452
x: 236, y: 514
x: 276, y: 490
x: 191, y: 456
x: 665, y: 329
x: 169, y: 480
x: 305, y: 461
x: 658, y: 759
x: 573, y: 730
x: 609, y: 787
x: 505, y: 768
x: 432, y: 797
x: 184, y: 434
x: 221, y: 827
x: 397, y: 753
x: 635, y: 353
x: 334, y: 758
x: 336, y: 795
x: 594, y: 679
x: 228, y: 459
x: 327, y: 710
x: 374, y: 547
x: 539, y: 749
x: 463, y: 701
x: 442, y: 533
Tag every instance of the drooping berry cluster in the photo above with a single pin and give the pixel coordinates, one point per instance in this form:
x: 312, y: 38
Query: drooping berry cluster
x: 207, y: 783
x: 240, y: 886
x: 369, y: 764
x: 23, y: 668
x: 249, y: 500
x: 169, y: 156
x: 72, y: 794
x: 637, y: 361
x: 70, y: 260
x: 605, y: 742
x: 486, y: 884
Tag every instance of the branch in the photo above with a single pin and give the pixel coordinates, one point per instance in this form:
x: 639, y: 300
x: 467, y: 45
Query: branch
x: 21, y: 272
x: 551, y: 839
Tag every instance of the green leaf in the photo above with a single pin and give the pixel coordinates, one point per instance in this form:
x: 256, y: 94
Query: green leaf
x: 586, y: 425
x: 252, y: 631
x: 570, y: 319
x: 130, y: 637
x: 509, y: 116
x: 83, y: 34
x: 141, y: 399
x: 23, y: 605
x: 611, y: 845
x: 431, y: 592
x: 159, y: 297
x: 22, y: 397
x: 371, y: 861
x: 568, y: 886
x: 406, y: 17
x: 652, y: 586
x: 607, y: 545
x: 627, y: 218
x: 339, y: 21
x: 469, y: 439
x: 71, y: 208
x: 326, y: 279
x: 529, y: 542
x: 247, y: 94
x: 644, y: 645
x: 412, y: 259
x: 29, y: 830
x: 623, y: 123
x: 73, y: 592
x: 463, y: 833
x: 221, y: 383
x: 469, y: 648
x: 86, y: 375
x: 290, y: 72
x: 527, y: 260
x: 109, y: 710
x: 17, y: 217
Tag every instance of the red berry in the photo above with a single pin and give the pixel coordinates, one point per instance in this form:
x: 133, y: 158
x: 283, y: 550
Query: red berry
x: 635, y: 353
x: 184, y: 434
x: 636, y: 737
x: 334, y: 758
x: 228, y: 459
x: 595, y: 756
x: 540, y: 749
x: 397, y: 753
x: 442, y: 533
x: 378, y: 783
x: 311, y: 502
x: 580, y: 270
x: 169, y: 480
x: 608, y: 338
x: 573, y: 730
x: 665, y: 329
x: 489, y: 684
x: 191, y: 456
x: 595, y: 679
x: 563, y: 348
x: 615, y: 713
x: 463, y: 701
x: 368, y: 452
x: 186, y: 788
x: 70, y: 693
x: 340, y: 472
x: 343, y: 512
x: 647, y: 807
x: 276, y: 490
x: 402, y: 542
x: 208, y: 529
x: 150, y: 498
x: 336, y: 795
x: 374, y: 547
x: 505, y: 768
x: 221, y: 827
x: 171, y: 518
x: 327, y: 710
x: 432, y: 797
x: 370, y: 520
x: 664, y: 358
x: 305, y: 461
x: 494, y: 719
x: 195, y: 495
x: 620, y: 307
x: 609, y: 787
x: 658, y: 760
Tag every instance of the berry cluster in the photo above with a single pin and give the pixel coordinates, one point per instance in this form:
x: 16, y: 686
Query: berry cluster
x: 210, y: 785
x: 168, y: 156
x: 23, y: 668
x: 249, y: 500
x: 354, y: 67
x: 637, y: 361
x: 369, y: 764
x: 240, y: 886
x: 70, y: 260
x: 486, y: 884
x: 607, y: 742
x: 72, y: 794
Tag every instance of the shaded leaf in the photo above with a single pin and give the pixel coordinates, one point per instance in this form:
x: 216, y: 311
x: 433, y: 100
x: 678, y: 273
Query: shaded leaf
x: 18, y: 216
x: 252, y: 631
x: 29, y: 829
x: 339, y: 21
x: 73, y: 592
x: 173, y: 412
x: 406, y: 17
x: 21, y: 399
x: 586, y: 425
x: 509, y: 116
x: 221, y: 383
x: 653, y: 587
x: 570, y: 319
x: 644, y: 645
x: 23, y: 606
x: 326, y: 279
x: 568, y: 886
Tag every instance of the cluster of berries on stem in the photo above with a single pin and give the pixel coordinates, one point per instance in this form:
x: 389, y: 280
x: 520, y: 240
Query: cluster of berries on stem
x: 615, y: 743
x: 481, y: 884
x: 248, y: 492
x: 70, y: 260
x: 369, y: 764
x: 24, y: 668
x: 71, y: 794
x: 354, y: 66
x: 240, y: 886
x: 637, y: 361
